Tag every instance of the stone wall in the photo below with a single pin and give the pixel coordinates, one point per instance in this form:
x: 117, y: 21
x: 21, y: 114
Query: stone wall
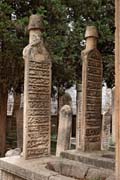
x: 8, y: 176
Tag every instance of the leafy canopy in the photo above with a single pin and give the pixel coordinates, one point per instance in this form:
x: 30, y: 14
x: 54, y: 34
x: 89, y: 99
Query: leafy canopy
x: 65, y: 23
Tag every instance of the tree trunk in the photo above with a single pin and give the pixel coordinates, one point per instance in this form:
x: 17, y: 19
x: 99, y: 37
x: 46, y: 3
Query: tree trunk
x: 3, y: 115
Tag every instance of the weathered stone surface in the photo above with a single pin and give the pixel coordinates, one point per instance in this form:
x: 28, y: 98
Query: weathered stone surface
x: 19, y: 169
x: 28, y: 170
x: 64, y: 130
x: 37, y: 90
x: 58, y: 177
x: 78, y: 115
x: 13, y: 152
x: 98, y: 158
x: 19, y: 121
x: 111, y: 178
x: 96, y: 174
x: 65, y: 100
x: 117, y: 86
x: 68, y: 168
x: 106, y: 128
x: 7, y: 176
x: 113, y: 116
x: 91, y: 93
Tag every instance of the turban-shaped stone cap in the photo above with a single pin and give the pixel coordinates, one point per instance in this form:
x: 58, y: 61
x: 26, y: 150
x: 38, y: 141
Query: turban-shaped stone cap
x: 91, y: 31
x: 35, y: 22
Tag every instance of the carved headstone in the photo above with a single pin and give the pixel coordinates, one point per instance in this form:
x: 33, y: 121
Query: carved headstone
x: 37, y: 93
x: 64, y: 130
x: 91, y: 93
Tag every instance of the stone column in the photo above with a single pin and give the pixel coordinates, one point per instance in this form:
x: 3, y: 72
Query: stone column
x: 78, y: 114
x: 91, y: 93
x: 113, y: 115
x: 37, y: 93
x: 117, y: 86
x: 64, y: 130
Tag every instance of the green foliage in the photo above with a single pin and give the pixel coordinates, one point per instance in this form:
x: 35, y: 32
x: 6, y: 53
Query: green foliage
x: 101, y: 14
x: 65, y: 23
x: 11, y: 49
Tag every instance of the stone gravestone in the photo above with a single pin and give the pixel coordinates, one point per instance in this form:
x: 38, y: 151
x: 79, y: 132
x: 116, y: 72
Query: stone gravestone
x: 78, y: 115
x: 64, y: 130
x: 19, y: 121
x: 37, y: 93
x: 65, y: 100
x: 91, y: 93
x: 113, y: 115
x: 106, y: 130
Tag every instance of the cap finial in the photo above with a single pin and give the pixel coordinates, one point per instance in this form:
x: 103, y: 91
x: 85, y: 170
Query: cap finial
x: 35, y: 22
x: 91, y: 31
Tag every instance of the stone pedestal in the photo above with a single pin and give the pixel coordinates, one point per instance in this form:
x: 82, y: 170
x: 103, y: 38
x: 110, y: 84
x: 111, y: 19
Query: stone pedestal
x: 37, y: 93
x: 91, y: 93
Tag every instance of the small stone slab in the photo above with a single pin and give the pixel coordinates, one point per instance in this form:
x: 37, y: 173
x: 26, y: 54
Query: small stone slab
x: 95, y: 159
x: 28, y: 170
x: 68, y: 168
x: 96, y: 173
x: 59, y: 177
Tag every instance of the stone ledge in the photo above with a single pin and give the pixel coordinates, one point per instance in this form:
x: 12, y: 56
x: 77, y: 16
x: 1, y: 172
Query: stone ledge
x: 29, y: 169
x: 98, y: 159
x: 78, y: 170
x: 17, y: 168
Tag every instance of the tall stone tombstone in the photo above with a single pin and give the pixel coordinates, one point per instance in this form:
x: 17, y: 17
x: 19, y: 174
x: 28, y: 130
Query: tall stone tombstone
x: 37, y: 93
x: 91, y: 93
x: 117, y: 86
x: 78, y: 115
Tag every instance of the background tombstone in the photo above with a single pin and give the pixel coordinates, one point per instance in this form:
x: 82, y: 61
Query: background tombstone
x: 106, y: 140
x: 106, y: 130
x: 78, y: 115
x: 19, y: 120
x: 64, y: 130
x: 91, y: 93
x: 37, y: 93
x: 113, y: 115
x: 65, y: 100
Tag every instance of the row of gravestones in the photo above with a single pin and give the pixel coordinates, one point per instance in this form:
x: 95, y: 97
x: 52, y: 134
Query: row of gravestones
x: 37, y: 96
